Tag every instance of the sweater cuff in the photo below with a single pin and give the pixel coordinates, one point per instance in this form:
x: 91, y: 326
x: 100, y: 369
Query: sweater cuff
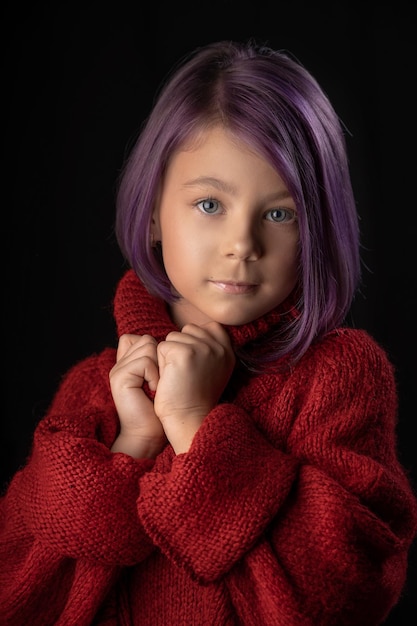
x: 80, y: 498
x: 218, y: 498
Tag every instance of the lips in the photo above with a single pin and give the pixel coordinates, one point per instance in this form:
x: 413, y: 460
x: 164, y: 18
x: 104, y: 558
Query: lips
x: 234, y: 287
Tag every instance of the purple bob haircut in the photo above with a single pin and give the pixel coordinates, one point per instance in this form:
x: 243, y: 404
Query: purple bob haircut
x: 272, y: 103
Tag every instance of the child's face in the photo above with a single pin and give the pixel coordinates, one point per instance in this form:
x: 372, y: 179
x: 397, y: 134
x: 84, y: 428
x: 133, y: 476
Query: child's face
x: 229, y: 232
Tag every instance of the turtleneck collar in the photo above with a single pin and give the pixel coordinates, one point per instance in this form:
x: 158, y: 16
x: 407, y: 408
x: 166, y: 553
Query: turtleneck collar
x: 136, y: 311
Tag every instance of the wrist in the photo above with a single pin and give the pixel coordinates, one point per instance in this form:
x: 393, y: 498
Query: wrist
x: 138, y: 447
x: 180, y: 432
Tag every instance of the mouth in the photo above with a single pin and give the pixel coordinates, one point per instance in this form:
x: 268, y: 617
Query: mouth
x: 234, y: 287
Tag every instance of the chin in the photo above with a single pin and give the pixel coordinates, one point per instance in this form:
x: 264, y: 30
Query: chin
x: 235, y: 320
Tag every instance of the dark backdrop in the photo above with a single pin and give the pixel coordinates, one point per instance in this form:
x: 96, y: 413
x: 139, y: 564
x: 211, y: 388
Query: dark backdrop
x: 77, y: 82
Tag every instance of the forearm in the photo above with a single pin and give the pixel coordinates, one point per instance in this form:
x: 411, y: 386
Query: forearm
x: 222, y: 494
x: 74, y: 493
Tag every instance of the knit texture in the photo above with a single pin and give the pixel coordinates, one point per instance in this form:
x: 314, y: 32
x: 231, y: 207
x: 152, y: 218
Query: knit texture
x: 290, y: 509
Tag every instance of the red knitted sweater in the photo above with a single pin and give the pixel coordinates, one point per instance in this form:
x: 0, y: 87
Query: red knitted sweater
x: 290, y: 508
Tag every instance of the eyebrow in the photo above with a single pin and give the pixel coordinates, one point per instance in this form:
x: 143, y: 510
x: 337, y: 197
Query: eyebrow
x: 226, y: 187
x: 219, y: 184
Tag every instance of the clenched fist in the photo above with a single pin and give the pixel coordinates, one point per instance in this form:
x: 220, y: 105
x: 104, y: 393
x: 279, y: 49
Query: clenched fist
x: 141, y: 433
x: 188, y: 372
x: 195, y: 365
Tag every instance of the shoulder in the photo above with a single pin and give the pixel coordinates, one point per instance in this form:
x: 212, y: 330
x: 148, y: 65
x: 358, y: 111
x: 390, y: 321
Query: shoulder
x: 344, y: 361
x: 95, y: 365
x: 347, y: 354
x: 87, y: 378
x: 352, y: 345
x: 83, y: 404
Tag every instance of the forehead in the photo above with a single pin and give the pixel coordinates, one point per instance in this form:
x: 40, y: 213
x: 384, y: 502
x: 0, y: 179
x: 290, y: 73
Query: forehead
x: 219, y: 153
x: 215, y: 136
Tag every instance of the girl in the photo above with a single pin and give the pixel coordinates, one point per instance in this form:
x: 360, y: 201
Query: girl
x: 234, y: 460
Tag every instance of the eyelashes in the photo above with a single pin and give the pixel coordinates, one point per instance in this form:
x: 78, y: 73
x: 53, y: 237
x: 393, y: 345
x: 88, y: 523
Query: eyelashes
x: 277, y: 215
x: 281, y: 215
x: 209, y: 206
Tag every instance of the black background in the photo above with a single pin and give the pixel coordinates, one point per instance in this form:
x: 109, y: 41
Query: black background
x: 78, y: 81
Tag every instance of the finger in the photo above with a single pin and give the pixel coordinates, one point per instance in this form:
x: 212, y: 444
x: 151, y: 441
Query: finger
x: 216, y: 336
x: 129, y: 343
x: 151, y: 373
x: 218, y: 332
x: 211, y: 333
x: 133, y: 372
x: 195, y: 342
x: 189, y: 333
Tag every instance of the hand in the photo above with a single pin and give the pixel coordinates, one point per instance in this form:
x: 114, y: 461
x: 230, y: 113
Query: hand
x: 141, y: 432
x: 194, y: 368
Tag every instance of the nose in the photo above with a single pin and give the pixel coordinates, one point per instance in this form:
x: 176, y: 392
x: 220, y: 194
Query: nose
x: 242, y: 240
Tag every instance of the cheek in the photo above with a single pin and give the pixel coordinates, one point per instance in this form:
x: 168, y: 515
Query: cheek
x: 285, y: 250
x: 183, y: 238
x: 181, y: 251
x: 288, y: 263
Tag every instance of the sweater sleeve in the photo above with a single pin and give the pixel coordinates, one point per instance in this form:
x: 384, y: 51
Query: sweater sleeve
x: 71, y: 509
x: 308, y: 526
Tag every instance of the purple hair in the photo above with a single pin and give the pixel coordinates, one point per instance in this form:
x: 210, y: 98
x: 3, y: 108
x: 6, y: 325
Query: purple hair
x: 273, y: 104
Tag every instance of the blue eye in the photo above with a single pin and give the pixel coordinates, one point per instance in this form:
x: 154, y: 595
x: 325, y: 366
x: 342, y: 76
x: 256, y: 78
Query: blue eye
x: 209, y: 206
x: 281, y: 215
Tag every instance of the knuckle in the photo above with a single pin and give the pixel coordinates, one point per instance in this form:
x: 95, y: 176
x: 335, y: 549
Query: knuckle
x: 148, y: 339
